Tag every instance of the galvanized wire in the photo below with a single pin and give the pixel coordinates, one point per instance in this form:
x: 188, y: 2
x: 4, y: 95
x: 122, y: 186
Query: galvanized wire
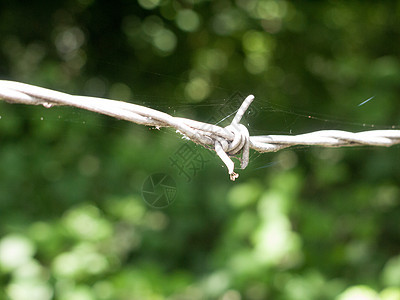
x: 227, y: 142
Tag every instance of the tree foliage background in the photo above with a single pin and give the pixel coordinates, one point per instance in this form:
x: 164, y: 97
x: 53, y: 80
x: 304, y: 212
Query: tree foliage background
x: 303, y: 223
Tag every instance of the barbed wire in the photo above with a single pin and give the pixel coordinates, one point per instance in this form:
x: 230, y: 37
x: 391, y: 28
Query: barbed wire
x: 226, y: 141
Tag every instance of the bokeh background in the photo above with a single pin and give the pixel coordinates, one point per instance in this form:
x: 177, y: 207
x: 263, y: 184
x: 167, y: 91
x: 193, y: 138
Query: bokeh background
x: 303, y: 223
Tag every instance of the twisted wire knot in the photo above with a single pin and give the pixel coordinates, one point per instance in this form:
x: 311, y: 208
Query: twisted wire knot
x: 240, y: 142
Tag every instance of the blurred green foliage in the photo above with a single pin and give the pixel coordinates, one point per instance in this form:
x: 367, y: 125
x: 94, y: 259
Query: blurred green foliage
x: 305, y: 223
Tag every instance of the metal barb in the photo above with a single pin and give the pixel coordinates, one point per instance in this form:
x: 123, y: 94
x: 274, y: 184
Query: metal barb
x: 245, y: 105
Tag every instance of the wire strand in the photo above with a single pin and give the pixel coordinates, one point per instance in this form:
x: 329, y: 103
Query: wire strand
x: 226, y: 141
